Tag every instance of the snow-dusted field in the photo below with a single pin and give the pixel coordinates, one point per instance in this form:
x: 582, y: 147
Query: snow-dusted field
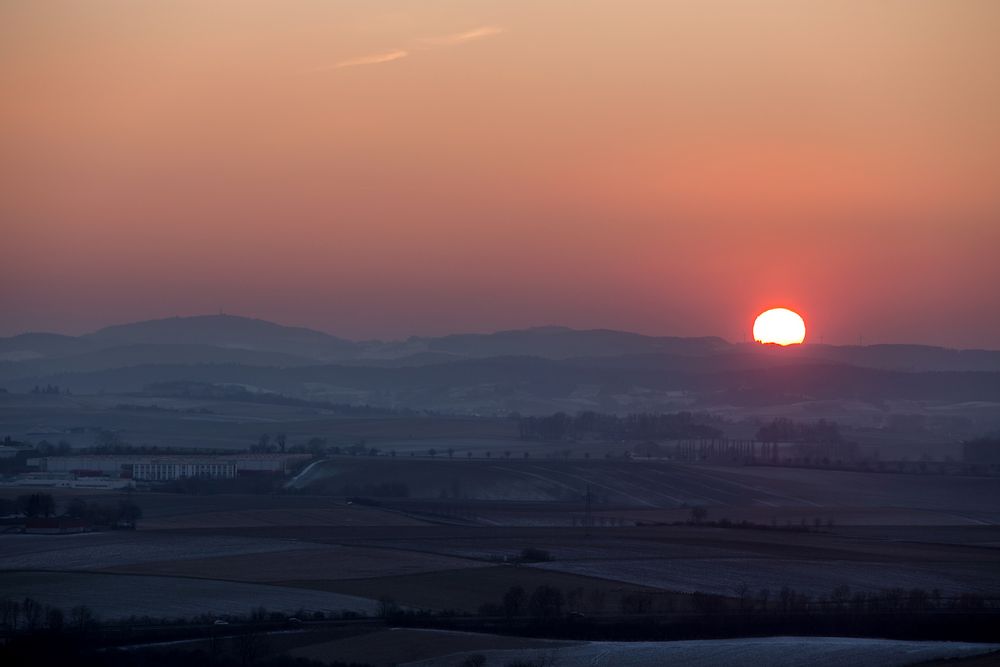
x: 93, y: 551
x: 771, y: 651
x: 723, y: 575
x: 605, y: 547
x: 118, y: 596
x: 326, y: 562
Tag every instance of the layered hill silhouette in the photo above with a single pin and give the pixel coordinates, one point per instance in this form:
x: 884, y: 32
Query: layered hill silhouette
x: 522, y: 369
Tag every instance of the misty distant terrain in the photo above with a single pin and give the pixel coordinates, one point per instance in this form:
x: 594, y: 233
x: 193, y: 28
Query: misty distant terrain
x: 537, y: 370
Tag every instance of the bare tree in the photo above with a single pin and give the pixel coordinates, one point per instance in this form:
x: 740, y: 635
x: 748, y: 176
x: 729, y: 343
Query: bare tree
x: 32, y: 610
x: 37, y: 504
x: 387, y: 607
x: 513, y: 601
x: 742, y: 591
x: 10, y: 614
x: 55, y: 620
x: 82, y: 619
x: 545, y: 602
x: 596, y: 600
x: 250, y: 646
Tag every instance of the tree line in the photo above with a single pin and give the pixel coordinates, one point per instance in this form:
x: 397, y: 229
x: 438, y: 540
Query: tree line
x: 30, y: 615
x: 42, y: 505
x: 637, y: 426
x: 783, y: 429
x: 551, y: 612
x: 41, y: 634
x: 548, y: 602
x: 48, y: 389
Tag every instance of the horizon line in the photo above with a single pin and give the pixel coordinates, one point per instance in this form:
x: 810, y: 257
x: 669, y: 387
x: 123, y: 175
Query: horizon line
x: 733, y: 343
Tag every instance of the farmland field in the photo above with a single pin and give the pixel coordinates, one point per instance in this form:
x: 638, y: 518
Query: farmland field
x: 114, y: 596
x: 723, y: 576
x: 359, y: 551
x: 316, y: 563
x: 218, y: 424
x: 467, y: 589
x: 172, y: 511
x: 342, y: 516
x: 398, y: 645
x: 91, y: 551
x: 776, y: 651
x: 648, y: 485
x: 455, y: 538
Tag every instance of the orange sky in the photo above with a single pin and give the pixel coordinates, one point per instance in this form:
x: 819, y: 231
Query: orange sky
x: 381, y: 169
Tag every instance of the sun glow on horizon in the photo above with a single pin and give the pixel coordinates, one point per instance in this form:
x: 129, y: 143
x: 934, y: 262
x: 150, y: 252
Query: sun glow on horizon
x: 780, y: 326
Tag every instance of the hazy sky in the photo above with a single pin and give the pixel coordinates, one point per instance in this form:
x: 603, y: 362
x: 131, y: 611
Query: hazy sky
x: 381, y: 169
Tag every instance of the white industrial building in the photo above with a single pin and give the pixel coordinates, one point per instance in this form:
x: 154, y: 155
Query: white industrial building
x: 166, y: 468
x: 162, y: 470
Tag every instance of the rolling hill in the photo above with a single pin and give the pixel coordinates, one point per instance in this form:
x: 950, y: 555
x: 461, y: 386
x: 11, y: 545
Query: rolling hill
x: 531, y: 370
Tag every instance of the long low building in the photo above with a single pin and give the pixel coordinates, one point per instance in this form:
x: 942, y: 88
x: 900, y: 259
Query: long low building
x: 170, y: 467
x: 161, y: 470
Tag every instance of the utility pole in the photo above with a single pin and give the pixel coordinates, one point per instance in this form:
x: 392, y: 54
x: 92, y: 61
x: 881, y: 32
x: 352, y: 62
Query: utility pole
x: 588, y: 518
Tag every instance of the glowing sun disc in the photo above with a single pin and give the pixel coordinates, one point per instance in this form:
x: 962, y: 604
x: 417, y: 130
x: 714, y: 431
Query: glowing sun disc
x: 780, y: 326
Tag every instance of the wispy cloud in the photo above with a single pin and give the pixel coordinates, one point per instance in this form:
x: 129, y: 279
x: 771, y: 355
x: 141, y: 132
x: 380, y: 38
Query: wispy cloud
x: 371, y: 60
x: 462, y: 37
x: 429, y: 42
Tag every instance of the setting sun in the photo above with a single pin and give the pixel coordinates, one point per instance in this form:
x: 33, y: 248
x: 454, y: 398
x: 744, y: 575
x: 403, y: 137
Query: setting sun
x: 780, y: 326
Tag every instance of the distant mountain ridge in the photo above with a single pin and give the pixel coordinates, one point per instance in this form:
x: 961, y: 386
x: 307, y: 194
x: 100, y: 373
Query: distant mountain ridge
x: 142, y: 354
x: 565, y: 343
x: 36, y: 345
x: 243, y: 341
x: 531, y: 371
x: 228, y: 331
